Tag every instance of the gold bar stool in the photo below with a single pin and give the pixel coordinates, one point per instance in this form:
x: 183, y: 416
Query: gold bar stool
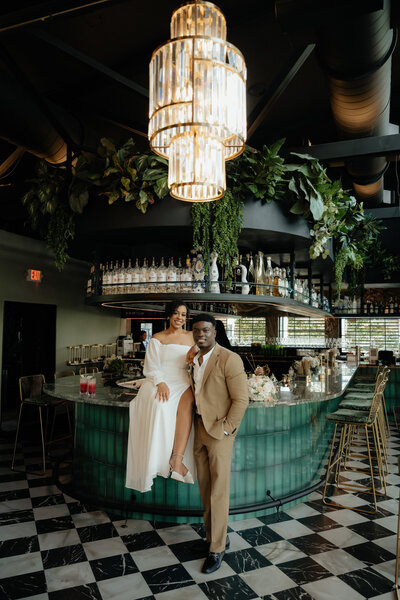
x: 346, y: 420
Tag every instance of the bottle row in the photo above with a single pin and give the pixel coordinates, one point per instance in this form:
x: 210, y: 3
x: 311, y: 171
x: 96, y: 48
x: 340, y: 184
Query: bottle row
x: 251, y: 275
x: 379, y: 307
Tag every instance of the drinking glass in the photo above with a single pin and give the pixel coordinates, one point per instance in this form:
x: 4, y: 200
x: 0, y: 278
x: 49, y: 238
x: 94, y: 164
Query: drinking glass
x: 92, y: 386
x: 83, y: 384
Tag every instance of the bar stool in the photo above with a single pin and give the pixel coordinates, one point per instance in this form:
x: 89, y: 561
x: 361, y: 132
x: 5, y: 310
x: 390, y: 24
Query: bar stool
x: 361, y: 399
x: 346, y: 421
x: 361, y: 395
x: 362, y: 402
x: 31, y: 394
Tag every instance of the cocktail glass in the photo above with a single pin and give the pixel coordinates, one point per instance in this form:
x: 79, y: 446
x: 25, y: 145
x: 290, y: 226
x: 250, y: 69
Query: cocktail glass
x: 83, y: 384
x: 91, y: 386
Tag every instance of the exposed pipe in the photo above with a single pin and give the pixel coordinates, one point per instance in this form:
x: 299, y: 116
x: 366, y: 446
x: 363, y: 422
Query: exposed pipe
x: 357, y: 60
x: 24, y: 124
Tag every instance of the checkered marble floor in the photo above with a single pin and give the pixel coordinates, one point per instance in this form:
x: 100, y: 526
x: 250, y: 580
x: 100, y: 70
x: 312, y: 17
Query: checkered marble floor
x: 52, y: 547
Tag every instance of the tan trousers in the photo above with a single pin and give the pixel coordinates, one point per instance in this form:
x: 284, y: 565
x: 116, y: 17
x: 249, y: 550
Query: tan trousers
x: 213, y: 459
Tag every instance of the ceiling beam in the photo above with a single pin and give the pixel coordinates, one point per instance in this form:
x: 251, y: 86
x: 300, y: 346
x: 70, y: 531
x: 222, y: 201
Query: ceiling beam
x: 260, y: 113
x: 44, y: 11
x: 382, y: 145
x: 9, y: 162
x: 91, y: 62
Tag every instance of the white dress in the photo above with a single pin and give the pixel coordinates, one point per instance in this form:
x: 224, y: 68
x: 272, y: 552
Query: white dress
x: 151, y: 422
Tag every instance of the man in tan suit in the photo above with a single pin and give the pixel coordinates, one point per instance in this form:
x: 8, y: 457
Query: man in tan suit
x: 221, y: 395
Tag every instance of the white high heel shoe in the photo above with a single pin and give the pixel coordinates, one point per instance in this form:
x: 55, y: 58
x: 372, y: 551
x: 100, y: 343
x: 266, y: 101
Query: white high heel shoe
x: 188, y: 478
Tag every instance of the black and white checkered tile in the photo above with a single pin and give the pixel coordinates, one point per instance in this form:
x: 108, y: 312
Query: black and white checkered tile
x: 54, y: 548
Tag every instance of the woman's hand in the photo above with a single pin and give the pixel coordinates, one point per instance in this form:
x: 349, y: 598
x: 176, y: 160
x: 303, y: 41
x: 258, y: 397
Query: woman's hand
x: 162, y: 392
x: 191, y: 354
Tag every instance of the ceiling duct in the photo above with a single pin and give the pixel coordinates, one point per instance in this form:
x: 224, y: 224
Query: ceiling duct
x: 355, y: 42
x: 34, y: 126
x: 357, y: 59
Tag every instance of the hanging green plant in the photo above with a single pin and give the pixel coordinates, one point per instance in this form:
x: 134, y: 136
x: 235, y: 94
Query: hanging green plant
x: 52, y: 214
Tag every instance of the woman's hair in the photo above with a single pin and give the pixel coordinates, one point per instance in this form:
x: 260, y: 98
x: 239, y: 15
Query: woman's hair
x: 221, y: 338
x: 173, y: 306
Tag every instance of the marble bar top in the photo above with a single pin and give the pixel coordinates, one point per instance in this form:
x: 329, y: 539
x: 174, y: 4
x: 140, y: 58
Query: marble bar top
x: 330, y: 386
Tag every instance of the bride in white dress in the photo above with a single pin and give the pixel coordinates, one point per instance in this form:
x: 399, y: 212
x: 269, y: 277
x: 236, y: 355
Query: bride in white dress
x: 161, y: 416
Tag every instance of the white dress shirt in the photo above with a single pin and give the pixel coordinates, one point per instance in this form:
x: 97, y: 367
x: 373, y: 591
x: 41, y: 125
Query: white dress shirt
x: 198, y: 373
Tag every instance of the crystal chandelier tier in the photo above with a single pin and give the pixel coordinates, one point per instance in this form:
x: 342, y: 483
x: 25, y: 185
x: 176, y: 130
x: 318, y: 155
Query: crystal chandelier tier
x: 197, y: 102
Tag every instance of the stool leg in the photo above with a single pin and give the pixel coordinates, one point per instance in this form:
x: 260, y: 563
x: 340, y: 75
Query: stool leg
x: 43, y: 439
x: 16, y: 436
x: 396, y: 572
x: 371, y: 468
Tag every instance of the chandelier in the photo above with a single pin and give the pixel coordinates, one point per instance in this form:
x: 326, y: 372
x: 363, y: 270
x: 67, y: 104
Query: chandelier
x: 197, y: 102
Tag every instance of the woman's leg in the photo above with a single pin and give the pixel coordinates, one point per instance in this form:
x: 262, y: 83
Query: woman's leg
x: 184, y: 417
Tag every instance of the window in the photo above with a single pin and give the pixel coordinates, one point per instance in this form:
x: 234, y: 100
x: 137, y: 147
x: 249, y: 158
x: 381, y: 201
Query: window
x: 244, y: 331
x: 301, y: 331
x: 383, y: 334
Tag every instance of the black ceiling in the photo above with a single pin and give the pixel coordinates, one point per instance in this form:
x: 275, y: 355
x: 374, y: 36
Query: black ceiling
x: 60, y: 52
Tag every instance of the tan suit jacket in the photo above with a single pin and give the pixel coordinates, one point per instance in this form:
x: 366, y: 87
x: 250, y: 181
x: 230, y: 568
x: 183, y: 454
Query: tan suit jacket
x: 224, y: 394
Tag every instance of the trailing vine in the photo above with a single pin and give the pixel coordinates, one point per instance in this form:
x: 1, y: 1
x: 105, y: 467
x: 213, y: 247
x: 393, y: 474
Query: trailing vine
x: 52, y: 214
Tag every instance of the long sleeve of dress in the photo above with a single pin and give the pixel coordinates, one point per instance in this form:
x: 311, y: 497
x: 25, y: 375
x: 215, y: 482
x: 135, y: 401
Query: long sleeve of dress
x: 152, y: 366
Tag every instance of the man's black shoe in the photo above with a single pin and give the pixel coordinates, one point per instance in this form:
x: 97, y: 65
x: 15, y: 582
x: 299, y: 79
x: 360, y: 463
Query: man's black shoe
x: 213, y: 562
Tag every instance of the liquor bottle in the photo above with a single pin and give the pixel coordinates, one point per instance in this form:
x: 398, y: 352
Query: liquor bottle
x: 236, y: 276
x: 276, y: 286
x: 115, y: 277
x: 171, y: 277
x: 396, y: 306
x: 143, y: 277
x: 104, y: 289
x: 128, y: 278
x: 89, y: 284
x: 250, y: 271
x: 109, y: 279
x: 136, y: 278
x: 152, y: 277
x: 121, y: 278
x: 179, y: 273
x: 269, y: 278
x: 372, y: 308
x: 187, y: 276
x: 244, y: 286
x: 285, y: 283
x: 391, y: 306
x: 162, y: 277
x: 260, y: 275
x: 214, y: 274
x: 198, y: 273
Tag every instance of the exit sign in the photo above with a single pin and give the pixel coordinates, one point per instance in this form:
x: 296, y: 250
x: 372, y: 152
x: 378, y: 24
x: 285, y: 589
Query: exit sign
x: 34, y: 275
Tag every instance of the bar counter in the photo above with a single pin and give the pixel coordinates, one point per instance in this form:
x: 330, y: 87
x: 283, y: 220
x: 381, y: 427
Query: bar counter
x: 280, y: 448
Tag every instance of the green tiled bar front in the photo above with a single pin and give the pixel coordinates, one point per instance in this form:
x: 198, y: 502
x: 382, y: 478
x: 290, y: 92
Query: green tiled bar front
x: 280, y: 448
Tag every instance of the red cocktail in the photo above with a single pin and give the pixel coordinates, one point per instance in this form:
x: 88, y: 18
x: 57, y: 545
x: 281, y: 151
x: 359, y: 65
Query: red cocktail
x: 83, y: 385
x: 92, y: 387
